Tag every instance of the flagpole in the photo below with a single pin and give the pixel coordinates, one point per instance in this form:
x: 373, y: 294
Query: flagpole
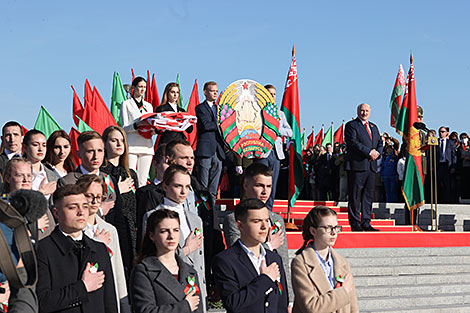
x: 332, y: 135
x: 343, y: 130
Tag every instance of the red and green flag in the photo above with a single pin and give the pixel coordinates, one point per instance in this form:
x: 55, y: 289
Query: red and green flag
x: 310, y: 139
x: 328, y: 138
x: 319, y: 137
x: 397, y: 93
x: 339, y: 134
x: 291, y: 108
x: 118, y: 96
x: 46, y: 123
x: 413, y: 181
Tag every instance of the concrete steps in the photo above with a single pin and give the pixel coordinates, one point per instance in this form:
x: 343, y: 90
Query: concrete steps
x: 411, y: 279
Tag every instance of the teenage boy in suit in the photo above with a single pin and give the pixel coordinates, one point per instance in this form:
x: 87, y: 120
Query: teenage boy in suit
x: 251, y: 278
x: 75, y: 272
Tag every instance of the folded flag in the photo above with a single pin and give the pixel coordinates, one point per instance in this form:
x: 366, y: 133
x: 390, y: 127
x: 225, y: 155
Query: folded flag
x: 169, y: 121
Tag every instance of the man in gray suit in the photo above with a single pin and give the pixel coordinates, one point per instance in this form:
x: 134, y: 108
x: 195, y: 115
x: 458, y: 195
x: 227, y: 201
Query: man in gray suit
x: 257, y: 183
x: 274, y: 156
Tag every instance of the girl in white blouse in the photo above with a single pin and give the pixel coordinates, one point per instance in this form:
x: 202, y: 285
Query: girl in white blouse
x: 140, y: 148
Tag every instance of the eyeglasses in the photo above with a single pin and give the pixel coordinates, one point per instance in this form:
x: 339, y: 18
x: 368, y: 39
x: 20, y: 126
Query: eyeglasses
x: 330, y: 229
x: 28, y: 177
x: 442, y: 131
x: 93, y: 198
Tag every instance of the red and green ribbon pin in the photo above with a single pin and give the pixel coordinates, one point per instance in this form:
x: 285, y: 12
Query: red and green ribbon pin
x: 339, y: 281
x: 277, y: 226
x: 191, y: 286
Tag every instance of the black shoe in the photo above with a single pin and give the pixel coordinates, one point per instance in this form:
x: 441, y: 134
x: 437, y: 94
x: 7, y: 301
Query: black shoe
x: 356, y: 228
x: 369, y: 228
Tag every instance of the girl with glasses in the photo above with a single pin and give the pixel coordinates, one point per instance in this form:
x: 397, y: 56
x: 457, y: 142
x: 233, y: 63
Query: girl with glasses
x: 321, y: 278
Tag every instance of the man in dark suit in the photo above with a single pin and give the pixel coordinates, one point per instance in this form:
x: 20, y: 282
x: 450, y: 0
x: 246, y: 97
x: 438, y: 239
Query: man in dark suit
x: 446, y: 163
x: 250, y: 278
x: 91, y: 153
x: 257, y: 183
x: 12, y: 139
x: 210, y: 145
x: 364, y: 147
x: 75, y: 272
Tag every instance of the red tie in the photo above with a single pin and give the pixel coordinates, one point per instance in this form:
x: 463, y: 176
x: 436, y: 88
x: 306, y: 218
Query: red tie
x: 368, y: 130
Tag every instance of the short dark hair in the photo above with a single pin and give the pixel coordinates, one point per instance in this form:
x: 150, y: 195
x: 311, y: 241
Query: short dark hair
x: 171, y: 171
x: 137, y: 80
x: 10, y: 124
x: 208, y: 84
x: 256, y: 169
x: 445, y: 127
x: 65, y: 191
x: 87, y: 136
x: 160, y: 154
x: 170, y: 153
x: 269, y: 86
x: 241, y: 209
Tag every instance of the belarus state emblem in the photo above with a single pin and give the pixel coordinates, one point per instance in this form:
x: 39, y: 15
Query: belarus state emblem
x: 248, y: 118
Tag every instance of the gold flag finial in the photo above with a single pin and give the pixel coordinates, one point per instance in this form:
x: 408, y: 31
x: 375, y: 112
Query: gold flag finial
x: 293, y: 50
x: 411, y: 56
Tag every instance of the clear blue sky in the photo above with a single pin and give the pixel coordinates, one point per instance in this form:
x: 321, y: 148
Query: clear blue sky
x: 347, y: 52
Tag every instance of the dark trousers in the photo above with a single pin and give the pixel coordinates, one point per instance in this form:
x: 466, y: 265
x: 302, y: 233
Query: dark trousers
x: 274, y: 164
x: 443, y: 183
x: 361, y: 193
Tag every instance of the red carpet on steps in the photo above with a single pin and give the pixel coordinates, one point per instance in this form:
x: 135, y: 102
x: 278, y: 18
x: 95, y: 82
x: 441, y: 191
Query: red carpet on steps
x: 390, y: 235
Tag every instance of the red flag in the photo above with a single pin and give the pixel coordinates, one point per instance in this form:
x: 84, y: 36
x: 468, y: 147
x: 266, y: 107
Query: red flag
x: 319, y: 138
x: 77, y: 108
x: 74, y: 146
x: 133, y: 76
x: 154, y: 91
x: 310, y: 142
x: 193, y: 101
x: 339, y: 135
x: 397, y: 93
x: 88, y: 94
x: 101, y: 118
x: 148, y: 91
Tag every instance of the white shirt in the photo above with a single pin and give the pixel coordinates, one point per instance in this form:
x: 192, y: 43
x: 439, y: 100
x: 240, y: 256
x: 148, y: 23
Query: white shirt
x: 174, y: 106
x: 38, y: 177
x: 80, y: 237
x: 10, y: 154
x: 84, y: 171
x: 256, y: 261
x: 92, y: 229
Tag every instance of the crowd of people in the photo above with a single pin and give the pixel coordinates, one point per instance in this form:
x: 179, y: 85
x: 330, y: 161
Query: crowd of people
x: 326, y: 177
x: 130, y: 229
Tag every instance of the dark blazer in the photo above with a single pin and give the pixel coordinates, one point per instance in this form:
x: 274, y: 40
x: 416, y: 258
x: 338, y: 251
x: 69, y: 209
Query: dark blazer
x: 450, y: 153
x: 148, y: 197
x: 359, y: 145
x: 60, y: 288
x: 240, y: 286
x: 153, y: 288
x: 209, y: 140
x: 167, y: 136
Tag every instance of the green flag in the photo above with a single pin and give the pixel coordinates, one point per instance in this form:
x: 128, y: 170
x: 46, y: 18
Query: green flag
x: 180, y: 101
x: 46, y: 123
x: 328, y: 138
x: 118, y: 96
x: 82, y: 126
x: 303, y: 139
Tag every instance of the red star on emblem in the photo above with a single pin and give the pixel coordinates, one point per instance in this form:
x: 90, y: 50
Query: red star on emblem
x: 245, y: 86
